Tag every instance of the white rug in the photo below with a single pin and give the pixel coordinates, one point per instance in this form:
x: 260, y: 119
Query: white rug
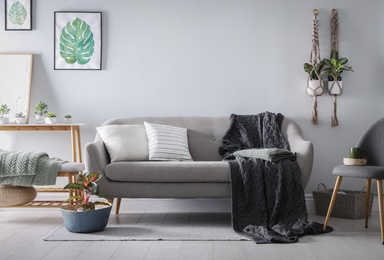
x: 190, y: 226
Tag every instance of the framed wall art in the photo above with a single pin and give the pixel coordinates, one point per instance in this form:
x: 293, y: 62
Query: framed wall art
x: 77, y: 41
x: 15, y: 83
x: 18, y: 15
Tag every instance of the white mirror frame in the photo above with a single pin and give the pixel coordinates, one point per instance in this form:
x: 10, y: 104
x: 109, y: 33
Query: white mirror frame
x: 15, y: 82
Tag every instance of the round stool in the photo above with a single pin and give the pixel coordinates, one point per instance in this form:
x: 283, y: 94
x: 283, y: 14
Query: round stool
x: 16, y: 195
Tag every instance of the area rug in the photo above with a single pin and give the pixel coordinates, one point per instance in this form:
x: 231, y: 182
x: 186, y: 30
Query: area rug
x: 173, y: 226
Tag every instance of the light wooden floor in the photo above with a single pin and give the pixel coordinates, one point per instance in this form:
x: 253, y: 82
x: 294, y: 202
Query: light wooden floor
x: 22, y: 232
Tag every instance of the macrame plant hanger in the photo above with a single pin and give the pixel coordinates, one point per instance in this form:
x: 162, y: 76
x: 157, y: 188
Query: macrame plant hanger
x: 314, y: 58
x: 336, y: 89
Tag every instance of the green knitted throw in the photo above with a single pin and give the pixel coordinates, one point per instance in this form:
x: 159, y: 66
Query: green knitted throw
x: 28, y: 168
x: 268, y: 154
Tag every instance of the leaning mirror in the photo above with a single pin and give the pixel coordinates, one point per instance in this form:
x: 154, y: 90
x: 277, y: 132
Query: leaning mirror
x: 15, y: 82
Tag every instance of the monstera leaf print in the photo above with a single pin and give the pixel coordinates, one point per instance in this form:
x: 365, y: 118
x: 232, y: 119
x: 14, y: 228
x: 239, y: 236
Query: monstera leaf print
x: 17, y: 13
x: 76, y: 42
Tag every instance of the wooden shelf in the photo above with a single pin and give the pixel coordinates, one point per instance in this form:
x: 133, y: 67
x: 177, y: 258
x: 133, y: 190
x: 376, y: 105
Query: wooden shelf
x: 76, y: 157
x: 42, y: 204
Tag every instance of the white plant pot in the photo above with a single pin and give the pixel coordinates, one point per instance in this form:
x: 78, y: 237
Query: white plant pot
x: 315, y: 87
x: 40, y: 119
x: 20, y: 120
x: 68, y: 120
x: 335, y: 87
x: 4, y: 120
x: 50, y: 120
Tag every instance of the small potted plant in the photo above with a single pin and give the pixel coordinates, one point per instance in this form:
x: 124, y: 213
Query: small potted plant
x: 50, y: 118
x: 41, y: 110
x: 68, y: 119
x: 20, y: 118
x: 4, y: 111
x: 85, y: 216
x: 334, y: 67
x: 314, y: 82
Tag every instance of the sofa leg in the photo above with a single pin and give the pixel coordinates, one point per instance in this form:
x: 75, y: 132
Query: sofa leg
x: 117, y: 207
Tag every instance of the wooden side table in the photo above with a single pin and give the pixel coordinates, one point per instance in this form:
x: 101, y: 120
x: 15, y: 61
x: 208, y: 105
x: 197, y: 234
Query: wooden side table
x: 76, y: 156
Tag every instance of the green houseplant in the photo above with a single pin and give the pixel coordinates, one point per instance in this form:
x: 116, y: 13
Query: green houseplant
x: 41, y: 109
x: 314, y: 73
x: 50, y: 118
x: 84, y: 215
x: 20, y: 118
x: 335, y: 67
x: 68, y: 119
x: 4, y: 110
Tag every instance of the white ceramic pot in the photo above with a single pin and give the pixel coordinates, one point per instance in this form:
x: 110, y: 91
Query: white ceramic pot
x: 68, y: 120
x: 335, y: 87
x: 4, y: 120
x: 50, y: 120
x: 20, y: 120
x: 315, y: 87
x: 40, y: 119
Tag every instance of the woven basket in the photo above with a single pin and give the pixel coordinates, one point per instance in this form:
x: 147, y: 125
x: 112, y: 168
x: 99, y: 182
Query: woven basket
x: 349, y: 205
x: 16, y: 195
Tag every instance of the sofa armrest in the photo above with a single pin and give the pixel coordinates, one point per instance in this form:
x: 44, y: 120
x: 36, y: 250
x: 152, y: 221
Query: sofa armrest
x: 300, y: 146
x: 96, y: 157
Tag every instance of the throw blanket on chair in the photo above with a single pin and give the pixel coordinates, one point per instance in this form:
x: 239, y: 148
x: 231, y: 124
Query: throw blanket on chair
x: 28, y: 168
x: 268, y: 203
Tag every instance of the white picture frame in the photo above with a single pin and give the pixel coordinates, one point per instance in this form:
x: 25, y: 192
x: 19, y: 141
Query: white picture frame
x: 72, y: 52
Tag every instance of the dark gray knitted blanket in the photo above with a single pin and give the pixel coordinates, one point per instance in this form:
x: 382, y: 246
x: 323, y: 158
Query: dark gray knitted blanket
x: 268, y: 203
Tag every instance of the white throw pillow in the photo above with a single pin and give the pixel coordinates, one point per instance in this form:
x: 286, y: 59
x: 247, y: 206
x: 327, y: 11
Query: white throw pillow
x: 125, y: 142
x: 167, y: 143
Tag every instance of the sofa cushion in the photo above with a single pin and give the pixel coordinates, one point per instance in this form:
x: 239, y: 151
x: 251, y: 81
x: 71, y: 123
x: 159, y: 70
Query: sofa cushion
x: 167, y: 143
x: 125, y: 142
x: 170, y: 171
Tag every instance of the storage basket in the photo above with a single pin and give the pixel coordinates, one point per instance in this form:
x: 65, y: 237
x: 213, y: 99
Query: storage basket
x: 348, y: 204
x: 16, y: 195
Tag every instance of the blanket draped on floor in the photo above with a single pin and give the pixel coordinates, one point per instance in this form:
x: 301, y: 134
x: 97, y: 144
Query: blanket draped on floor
x: 268, y: 202
x: 28, y: 168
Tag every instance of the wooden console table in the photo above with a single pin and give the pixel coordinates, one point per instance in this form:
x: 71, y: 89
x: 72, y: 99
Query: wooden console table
x: 76, y: 156
x: 73, y: 128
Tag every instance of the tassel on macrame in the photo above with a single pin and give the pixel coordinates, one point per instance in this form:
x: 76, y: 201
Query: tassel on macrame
x: 335, y: 121
x: 314, y: 110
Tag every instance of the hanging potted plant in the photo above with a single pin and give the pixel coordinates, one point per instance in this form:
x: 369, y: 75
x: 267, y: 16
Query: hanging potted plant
x: 334, y: 67
x: 41, y: 110
x: 20, y: 118
x: 84, y: 216
x: 314, y: 81
x: 4, y: 111
x: 50, y: 118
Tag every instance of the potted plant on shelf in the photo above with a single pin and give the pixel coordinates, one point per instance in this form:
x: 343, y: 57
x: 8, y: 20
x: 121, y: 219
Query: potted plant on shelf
x: 20, y: 118
x: 334, y: 67
x: 314, y: 82
x: 41, y: 110
x: 68, y: 119
x: 4, y: 110
x: 50, y: 118
x: 85, y: 216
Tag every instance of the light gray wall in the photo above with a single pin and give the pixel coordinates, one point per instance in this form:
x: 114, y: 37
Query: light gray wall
x: 208, y: 57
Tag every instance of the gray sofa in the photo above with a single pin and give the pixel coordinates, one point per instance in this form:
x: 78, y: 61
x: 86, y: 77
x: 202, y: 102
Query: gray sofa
x: 207, y: 176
